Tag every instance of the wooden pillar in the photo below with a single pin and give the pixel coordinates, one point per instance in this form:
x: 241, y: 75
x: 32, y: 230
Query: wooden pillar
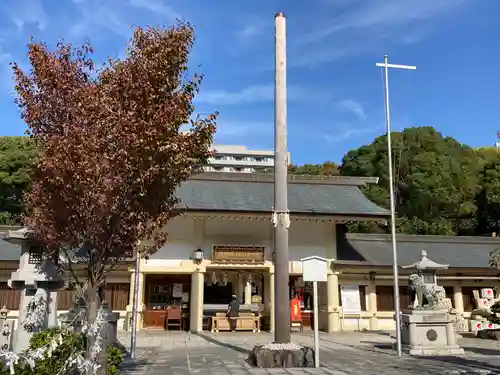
x: 332, y: 286
x: 372, y: 305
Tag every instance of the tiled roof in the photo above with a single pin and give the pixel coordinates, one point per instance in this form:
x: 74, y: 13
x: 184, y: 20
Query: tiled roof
x: 457, y: 251
x: 226, y: 192
x: 254, y: 193
x: 8, y: 251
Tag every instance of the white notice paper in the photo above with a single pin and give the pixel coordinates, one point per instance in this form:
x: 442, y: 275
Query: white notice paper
x: 351, y: 300
x: 177, y: 290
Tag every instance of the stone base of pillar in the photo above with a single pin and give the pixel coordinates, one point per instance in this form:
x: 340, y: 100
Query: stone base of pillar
x: 333, y: 322
x: 373, y: 324
x: 281, y: 356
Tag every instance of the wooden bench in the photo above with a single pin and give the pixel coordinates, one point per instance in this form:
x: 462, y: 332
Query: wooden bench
x: 244, y: 322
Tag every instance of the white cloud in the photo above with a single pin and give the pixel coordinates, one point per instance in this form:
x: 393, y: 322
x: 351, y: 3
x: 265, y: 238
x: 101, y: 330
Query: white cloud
x: 250, y: 133
x: 353, y: 107
x: 348, y: 132
x: 384, y: 13
x: 363, y: 26
x: 156, y: 6
x: 250, y: 94
x: 96, y: 18
x: 258, y: 94
x: 25, y: 12
x: 254, y: 28
x: 321, y: 55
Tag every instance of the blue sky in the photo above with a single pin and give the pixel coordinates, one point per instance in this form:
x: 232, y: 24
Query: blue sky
x: 335, y: 91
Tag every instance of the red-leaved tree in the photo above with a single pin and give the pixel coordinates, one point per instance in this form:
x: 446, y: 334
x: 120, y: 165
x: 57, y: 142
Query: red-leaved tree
x: 115, y: 146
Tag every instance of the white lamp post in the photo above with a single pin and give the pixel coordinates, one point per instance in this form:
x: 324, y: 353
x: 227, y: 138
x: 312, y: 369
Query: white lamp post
x: 397, y: 308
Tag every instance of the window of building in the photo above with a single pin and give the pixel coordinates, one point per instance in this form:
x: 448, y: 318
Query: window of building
x: 9, y: 297
x: 385, y: 297
x: 115, y: 294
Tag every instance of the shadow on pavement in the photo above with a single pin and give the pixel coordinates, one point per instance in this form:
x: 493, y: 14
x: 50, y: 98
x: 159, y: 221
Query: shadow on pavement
x: 379, y: 345
x: 382, y: 333
x: 221, y: 343
x: 482, y: 351
x: 468, y: 363
x: 130, y: 364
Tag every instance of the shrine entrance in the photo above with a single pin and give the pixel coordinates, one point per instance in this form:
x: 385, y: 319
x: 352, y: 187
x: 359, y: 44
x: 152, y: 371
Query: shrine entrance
x: 164, y: 292
x: 217, y: 293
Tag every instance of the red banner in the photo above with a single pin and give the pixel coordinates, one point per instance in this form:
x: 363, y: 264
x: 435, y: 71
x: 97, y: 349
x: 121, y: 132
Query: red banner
x: 295, y: 311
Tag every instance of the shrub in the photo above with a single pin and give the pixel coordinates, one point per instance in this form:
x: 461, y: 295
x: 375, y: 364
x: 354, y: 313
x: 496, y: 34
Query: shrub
x: 72, y: 342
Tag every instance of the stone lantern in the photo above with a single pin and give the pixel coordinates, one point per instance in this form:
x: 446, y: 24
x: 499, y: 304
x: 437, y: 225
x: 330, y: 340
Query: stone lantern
x: 429, y: 328
x: 427, y: 268
x: 36, y: 276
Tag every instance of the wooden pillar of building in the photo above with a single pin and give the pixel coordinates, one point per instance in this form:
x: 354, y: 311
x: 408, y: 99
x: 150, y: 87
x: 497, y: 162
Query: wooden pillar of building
x: 372, y: 304
x: 269, y: 299
x: 332, y: 286
x: 196, y: 302
x: 458, y: 301
x: 248, y: 293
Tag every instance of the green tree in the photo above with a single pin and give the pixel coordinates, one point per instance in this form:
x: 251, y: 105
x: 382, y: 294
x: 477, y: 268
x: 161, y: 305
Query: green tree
x: 326, y: 169
x: 17, y: 156
x: 488, y: 199
x: 435, y: 180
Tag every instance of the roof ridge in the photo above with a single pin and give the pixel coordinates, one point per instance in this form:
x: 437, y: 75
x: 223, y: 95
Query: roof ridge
x: 298, y: 179
x: 422, y: 238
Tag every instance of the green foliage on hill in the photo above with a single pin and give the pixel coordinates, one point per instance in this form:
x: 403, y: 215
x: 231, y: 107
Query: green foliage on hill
x: 17, y: 155
x: 442, y: 186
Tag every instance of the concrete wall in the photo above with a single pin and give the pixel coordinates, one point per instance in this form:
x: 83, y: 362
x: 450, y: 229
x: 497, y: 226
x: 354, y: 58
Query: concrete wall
x: 186, y: 234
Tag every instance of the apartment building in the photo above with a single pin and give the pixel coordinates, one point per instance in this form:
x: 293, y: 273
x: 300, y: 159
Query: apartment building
x: 239, y: 159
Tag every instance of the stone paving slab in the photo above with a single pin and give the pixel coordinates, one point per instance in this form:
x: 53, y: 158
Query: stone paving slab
x: 179, y: 353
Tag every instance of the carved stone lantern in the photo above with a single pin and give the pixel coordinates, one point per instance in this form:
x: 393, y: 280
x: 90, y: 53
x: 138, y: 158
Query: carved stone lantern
x: 35, y: 275
x: 428, y: 329
x: 427, y: 268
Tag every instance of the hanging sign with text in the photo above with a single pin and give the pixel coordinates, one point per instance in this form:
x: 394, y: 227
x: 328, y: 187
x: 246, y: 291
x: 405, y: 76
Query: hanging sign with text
x: 238, y: 254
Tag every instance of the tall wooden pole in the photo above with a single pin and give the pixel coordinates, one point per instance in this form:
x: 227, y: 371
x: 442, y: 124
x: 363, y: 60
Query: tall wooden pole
x: 281, y: 218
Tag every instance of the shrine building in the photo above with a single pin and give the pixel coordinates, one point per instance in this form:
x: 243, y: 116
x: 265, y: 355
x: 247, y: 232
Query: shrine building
x: 223, y: 245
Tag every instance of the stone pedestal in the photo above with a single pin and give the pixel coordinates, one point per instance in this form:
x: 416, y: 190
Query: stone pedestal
x: 6, y: 329
x: 281, y: 356
x: 429, y: 333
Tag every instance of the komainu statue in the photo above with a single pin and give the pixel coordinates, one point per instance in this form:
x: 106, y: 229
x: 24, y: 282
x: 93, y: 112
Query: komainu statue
x: 429, y: 296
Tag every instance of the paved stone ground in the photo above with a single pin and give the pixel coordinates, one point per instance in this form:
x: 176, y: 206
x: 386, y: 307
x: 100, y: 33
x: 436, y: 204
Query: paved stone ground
x: 179, y: 353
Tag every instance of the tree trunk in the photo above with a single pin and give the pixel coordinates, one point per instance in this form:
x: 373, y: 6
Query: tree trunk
x: 93, y: 305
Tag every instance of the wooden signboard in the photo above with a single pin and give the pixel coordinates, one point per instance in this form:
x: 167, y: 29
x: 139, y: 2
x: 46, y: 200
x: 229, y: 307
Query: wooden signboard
x: 238, y: 254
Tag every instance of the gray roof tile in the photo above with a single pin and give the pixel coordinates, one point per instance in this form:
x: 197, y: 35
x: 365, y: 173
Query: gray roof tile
x: 8, y: 251
x: 463, y: 251
x: 304, y: 197
x: 254, y: 193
